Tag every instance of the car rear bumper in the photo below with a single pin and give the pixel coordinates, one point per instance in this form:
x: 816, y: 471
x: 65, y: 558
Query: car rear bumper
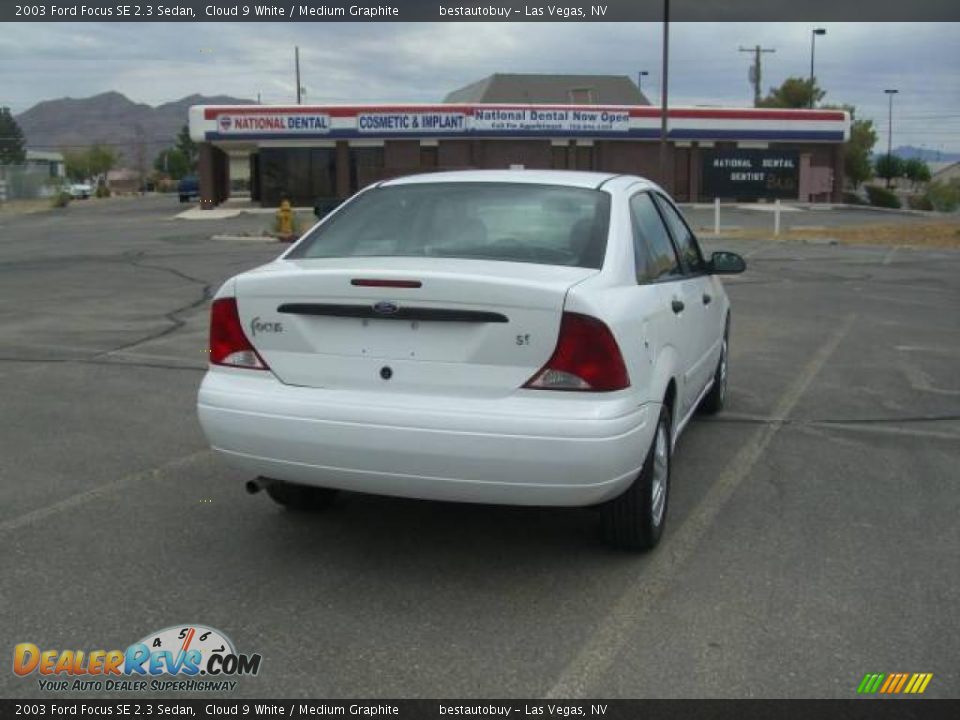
x: 537, y: 449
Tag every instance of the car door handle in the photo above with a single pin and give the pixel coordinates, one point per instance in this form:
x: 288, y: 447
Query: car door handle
x: 677, y: 306
x: 707, y: 299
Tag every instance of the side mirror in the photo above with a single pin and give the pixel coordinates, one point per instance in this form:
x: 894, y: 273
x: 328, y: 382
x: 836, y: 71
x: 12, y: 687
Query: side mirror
x: 727, y: 263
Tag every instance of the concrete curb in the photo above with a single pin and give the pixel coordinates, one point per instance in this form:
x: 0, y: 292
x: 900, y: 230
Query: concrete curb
x: 249, y: 239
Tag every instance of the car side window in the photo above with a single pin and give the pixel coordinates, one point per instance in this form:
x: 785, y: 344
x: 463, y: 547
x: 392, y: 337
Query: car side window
x: 682, y: 235
x: 656, y: 257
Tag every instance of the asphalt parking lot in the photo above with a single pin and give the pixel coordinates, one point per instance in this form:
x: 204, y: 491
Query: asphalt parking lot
x: 813, y: 533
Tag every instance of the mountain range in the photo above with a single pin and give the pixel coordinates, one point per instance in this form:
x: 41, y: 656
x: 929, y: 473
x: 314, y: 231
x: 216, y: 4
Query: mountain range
x: 908, y: 152
x: 112, y: 119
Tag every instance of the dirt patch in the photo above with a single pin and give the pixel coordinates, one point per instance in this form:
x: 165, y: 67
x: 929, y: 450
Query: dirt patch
x: 939, y: 234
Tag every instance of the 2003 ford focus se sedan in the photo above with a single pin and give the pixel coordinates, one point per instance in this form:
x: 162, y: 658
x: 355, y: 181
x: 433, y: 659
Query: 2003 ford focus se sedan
x: 515, y: 337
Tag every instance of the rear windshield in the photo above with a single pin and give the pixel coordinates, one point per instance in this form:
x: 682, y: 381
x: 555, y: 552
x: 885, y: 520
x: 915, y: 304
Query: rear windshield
x: 512, y: 222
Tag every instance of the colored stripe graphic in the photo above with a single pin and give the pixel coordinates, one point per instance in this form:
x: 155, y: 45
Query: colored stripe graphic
x: 871, y: 683
x: 891, y: 679
x: 894, y: 683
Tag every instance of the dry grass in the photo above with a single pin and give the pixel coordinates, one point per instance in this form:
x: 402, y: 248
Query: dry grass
x: 939, y: 234
x: 24, y: 207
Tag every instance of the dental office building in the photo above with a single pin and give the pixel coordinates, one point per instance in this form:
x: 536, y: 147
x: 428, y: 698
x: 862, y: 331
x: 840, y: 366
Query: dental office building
x: 317, y: 153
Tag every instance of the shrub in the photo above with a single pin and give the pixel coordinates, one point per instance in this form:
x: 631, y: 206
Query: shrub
x: 881, y: 197
x: 61, y: 199
x: 919, y: 202
x: 888, y: 167
x: 944, y: 196
x: 851, y: 198
x: 102, y: 191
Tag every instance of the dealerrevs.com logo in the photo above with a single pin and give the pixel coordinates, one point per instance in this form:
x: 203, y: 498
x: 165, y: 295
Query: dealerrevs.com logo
x: 178, y: 658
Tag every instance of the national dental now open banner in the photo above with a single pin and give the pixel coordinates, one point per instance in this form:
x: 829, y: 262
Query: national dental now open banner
x: 478, y: 11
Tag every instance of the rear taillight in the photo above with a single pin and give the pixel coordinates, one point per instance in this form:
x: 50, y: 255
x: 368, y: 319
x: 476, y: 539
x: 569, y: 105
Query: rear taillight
x: 587, y: 358
x: 228, y: 343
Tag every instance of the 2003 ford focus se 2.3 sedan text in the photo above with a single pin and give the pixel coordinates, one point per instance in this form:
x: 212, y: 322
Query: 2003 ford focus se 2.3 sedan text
x: 502, y: 336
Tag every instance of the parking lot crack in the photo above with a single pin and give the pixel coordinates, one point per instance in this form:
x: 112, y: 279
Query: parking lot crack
x: 174, y: 316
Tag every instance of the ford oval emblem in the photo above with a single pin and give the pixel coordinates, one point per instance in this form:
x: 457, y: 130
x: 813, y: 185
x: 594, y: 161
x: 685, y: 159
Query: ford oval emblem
x: 386, y: 307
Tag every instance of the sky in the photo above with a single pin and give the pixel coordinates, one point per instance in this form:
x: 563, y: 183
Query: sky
x: 420, y: 62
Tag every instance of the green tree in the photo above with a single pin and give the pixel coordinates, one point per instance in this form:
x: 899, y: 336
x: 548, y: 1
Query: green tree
x: 12, y: 145
x: 795, y: 92
x: 189, y: 149
x: 916, y: 171
x: 172, y: 162
x: 102, y: 159
x: 77, y: 164
x: 888, y: 167
x: 856, y: 153
x: 94, y: 161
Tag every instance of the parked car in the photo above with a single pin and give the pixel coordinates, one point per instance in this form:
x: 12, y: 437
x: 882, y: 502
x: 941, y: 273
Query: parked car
x: 515, y: 337
x: 81, y: 191
x: 188, y: 188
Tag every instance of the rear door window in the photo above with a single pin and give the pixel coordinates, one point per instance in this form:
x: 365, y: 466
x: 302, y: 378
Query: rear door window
x: 686, y: 242
x: 656, y: 257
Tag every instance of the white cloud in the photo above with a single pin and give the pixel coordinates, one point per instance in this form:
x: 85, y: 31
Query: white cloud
x: 373, y: 62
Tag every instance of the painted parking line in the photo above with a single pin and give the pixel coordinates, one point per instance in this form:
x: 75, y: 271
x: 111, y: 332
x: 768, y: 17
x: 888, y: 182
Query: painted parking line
x: 96, y: 493
x: 615, y: 632
x: 888, y: 258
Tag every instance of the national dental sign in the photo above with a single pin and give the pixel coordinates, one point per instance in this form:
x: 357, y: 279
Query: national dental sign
x: 256, y: 122
x: 230, y: 124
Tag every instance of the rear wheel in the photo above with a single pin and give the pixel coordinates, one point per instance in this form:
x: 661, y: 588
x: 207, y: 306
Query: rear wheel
x: 300, y: 497
x: 634, y: 521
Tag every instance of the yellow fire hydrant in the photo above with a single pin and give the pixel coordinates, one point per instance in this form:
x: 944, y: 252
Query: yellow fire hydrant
x: 285, y: 229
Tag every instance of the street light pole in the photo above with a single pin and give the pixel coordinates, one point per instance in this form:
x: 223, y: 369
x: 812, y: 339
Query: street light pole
x: 640, y: 76
x: 296, y: 62
x: 664, y: 86
x: 890, y: 93
x: 813, y: 52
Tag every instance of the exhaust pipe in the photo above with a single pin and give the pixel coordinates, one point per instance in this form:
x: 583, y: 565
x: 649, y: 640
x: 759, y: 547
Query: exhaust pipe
x: 254, y: 486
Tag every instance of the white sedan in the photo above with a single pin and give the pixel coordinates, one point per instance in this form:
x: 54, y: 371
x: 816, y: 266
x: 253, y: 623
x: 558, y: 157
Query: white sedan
x: 514, y: 337
x: 81, y: 191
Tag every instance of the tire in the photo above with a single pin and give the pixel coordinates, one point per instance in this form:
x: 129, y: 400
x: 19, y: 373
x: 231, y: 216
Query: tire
x: 714, y: 400
x: 184, y: 198
x: 304, y: 498
x: 635, y: 520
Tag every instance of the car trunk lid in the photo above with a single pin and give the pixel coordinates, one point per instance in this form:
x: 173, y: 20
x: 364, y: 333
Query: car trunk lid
x: 437, y: 325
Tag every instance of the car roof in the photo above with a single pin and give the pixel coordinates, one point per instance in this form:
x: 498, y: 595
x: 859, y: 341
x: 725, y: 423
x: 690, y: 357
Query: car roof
x: 567, y: 178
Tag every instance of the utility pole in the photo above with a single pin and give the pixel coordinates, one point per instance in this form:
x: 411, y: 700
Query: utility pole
x: 813, y: 53
x: 890, y: 94
x: 640, y: 76
x: 756, y: 75
x: 296, y: 62
x: 664, y: 86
